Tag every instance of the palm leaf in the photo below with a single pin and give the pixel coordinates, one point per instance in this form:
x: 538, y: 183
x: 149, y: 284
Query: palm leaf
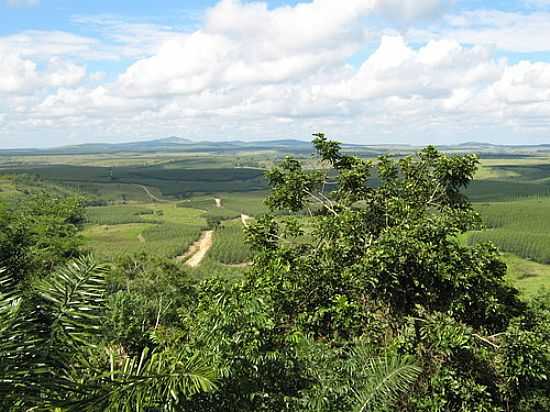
x: 73, y: 299
x: 383, y: 381
x: 158, y: 380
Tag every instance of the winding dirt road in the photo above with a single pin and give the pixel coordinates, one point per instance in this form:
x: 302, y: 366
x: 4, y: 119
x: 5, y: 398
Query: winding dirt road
x: 198, y: 250
x: 152, y: 196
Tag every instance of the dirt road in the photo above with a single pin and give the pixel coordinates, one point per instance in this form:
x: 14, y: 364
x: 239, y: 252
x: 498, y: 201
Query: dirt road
x: 152, y: 196
x: 245, y: 219
x: 198, y: 250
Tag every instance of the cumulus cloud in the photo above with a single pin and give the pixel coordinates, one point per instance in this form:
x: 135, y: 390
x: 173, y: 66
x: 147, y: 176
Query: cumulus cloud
x: 20, y: 75
x: 259, y: 72
x: 16, y: 74
x: 245, y: 43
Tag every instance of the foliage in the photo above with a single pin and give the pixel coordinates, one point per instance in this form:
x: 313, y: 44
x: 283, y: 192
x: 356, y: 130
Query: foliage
x: 520, y: 227
x: 370, y: 303
x: 383, y: 263
x: 230, y: 245
x: 39, y: 233
x: 51, y: 354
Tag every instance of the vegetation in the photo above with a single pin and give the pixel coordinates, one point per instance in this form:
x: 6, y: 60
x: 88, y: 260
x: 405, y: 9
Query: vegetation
x: 170, y: 182
x: 371, y: 303
x: 230, y: 246
x: 531, y: 278
x: 160, y: 230
x: 116, y: 215
x: 520, y: 227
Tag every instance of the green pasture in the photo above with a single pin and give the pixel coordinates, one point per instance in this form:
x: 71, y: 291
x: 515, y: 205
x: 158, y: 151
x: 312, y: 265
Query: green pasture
x: 528, y: 276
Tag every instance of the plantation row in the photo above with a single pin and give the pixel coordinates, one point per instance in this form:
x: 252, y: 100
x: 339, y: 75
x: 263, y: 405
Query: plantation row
x: 533, y: 246
x: 166, y: 239
x: 167, y: 230
x: 229, y: 245
x: 171, y: 182
x: 118, y: 215
x: 520, y: 227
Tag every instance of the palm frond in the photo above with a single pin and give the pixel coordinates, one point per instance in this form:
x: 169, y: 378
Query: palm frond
x: 18, y: 347
x: 73, y: 298
x: 383, y: 381
x: 153, y: 380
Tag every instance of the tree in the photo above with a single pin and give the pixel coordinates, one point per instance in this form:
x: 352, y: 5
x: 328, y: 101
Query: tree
x: 39, y: 233
x: 378, y: 258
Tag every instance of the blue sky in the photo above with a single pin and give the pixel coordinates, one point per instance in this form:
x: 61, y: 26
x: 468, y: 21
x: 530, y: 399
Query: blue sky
x: 364, y: 71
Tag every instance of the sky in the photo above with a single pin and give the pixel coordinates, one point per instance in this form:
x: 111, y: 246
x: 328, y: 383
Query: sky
x: 362, y: 71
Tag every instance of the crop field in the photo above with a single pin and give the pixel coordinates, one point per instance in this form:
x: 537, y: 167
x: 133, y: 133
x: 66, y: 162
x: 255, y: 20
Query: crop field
x: 162, y: 230
x: 229, y: 244
x: 170, y: 182
x: 230, y: 206
x: 161, y: 202
x: 117, y: 215
x: 520, y: 227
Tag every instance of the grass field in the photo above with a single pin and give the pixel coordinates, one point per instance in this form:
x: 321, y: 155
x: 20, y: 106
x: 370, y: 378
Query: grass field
x: 529, y: 277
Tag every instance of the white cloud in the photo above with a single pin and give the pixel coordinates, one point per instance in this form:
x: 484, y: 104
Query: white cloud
x: 409, y: 10
x: 43, y: 45
x: 251, y: 71
x: 510, y: 31
x: 524, y: 83
x: 61, y: 73
x: 16, y: 74
x: 20, y: 75
x: 246, y: 43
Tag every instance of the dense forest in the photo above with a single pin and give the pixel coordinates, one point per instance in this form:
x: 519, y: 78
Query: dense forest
x: 361, y: 297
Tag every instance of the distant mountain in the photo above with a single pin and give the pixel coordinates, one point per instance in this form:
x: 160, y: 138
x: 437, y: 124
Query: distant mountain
x: 169, y: 144
x: 175, y: 144
x: 476, y: 144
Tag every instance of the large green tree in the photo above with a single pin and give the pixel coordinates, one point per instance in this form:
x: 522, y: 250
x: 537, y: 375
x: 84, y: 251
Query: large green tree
x: 376, y: 257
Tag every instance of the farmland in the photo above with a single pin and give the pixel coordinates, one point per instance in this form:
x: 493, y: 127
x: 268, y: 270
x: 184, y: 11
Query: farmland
x: 229, y: 244
x: 160, y: 203
x: 169, y: 182
x: 520, y: 227
x: 162, y: 230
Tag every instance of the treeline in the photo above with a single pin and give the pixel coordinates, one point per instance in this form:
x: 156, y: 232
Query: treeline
x: 378, y: 308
